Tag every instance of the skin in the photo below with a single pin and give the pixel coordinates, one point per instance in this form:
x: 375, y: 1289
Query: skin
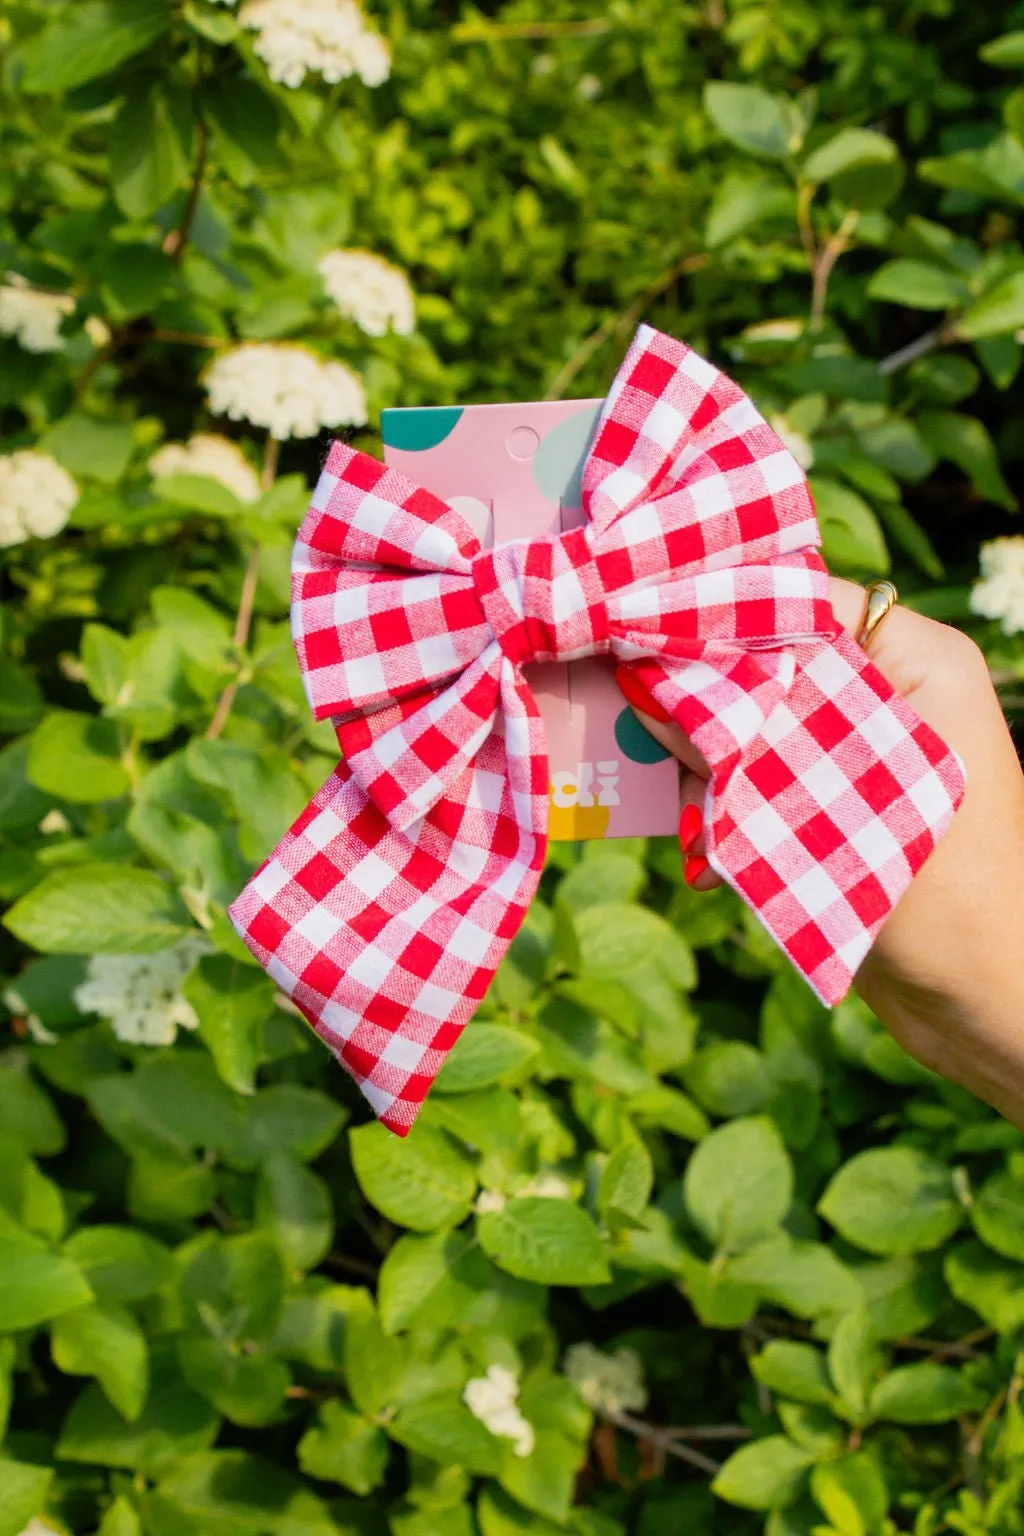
x: 946, y: 974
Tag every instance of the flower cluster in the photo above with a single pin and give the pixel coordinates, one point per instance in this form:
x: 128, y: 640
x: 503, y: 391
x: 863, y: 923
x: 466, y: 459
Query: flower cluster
x: 215, y: 457
x: 37, y: 496
x: 325, y: 37
x: 493, y: 1399
x: 141, y: 994
x: 1000, y: 593
x: 31, y: 317
x: 607, y: 1383
x: 369, y: 291
x: 285, y: 388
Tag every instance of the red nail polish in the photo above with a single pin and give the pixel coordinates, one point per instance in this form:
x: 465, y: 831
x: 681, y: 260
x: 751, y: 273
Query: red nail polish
x: 690, y: 823
x: 695, y: 866
x: 637, y: 695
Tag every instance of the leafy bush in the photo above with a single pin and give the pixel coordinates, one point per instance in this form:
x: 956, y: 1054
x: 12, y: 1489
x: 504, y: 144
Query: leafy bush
x: 714, y: 1259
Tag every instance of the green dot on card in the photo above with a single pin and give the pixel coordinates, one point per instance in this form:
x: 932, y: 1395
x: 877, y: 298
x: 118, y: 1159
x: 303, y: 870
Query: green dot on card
x: 636, y: 743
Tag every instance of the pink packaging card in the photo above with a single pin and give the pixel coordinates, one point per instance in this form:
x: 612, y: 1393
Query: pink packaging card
x: 513, y: 471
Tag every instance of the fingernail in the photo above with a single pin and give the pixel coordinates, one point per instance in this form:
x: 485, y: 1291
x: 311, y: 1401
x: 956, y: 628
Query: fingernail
x: 695, y: 866
x: 637, y: 695
x: 690, y: 823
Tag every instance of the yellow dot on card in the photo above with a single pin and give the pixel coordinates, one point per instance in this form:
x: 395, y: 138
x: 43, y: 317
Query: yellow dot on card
x: 572, y: 823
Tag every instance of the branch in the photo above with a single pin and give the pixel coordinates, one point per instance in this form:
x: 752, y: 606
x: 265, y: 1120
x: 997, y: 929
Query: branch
x: 825, y: 261
x: 614, y: 325
x: 941, y: 336
x: 246, y: 601
x: 664, y: 1440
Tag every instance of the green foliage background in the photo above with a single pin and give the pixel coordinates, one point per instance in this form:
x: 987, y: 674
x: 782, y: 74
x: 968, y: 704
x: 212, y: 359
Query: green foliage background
x: 228, y: 1303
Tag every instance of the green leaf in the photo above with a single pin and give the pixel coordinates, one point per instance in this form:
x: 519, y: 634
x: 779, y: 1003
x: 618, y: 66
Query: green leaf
x: 997, y: 171
x: 120, y: 1520
x: 729, y: 1077
x: 102, y: 909
x: 767, y: 1474
x: 246, y: 124
x: 739, y: 1183
x: 965, y: 441
x: 21, y: 702
x: 197, y: 493
x: 744, y: 202
x: 991, y: 1285
x: 174, y: 1422
x: 344, y: 1447
x: 852, y: 537
x: 794, y: 1370
x: 443, y: 1428
x: 105, y: 1342
x: 76, y: 757
x: 997, y: 311
x: 423, y: 1182
x: 248, y: 1387
x: 231, y: 1493
x: 150, y: 147
x: 234, y: 1287
x: 626, y: 1181
x: 23, y: 1489
x: 997, y: 1215
x: 928, y: 1393
x: 1001, y: 358
x: 805, y: 1278
x: 135, y: 278
x: 232, y: 1002
x: 855, y: 1363
x: 615, y: 937
x: 88, y: 39
x: 1006, y: 52
x: 120, y: 1263
x: 90, y: 449
x: 27, y: 1113
x: 286, y: 1118
x: 768, y: 126
x: 892, y: 1200
x: 294, y: 1206
x: 166, y: 1187
x: 549, y: 1241
x: 918, y: 285
x: 35, y: 1285
x: 482, y: 1055
x: 852, y: 1493
x: 375, y: 1363
x: 846, y: 150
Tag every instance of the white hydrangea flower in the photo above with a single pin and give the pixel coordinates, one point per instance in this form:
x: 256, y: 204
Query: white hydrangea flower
x: 369, y: 291
x: 325, y: 37
x: 33, y: 318
x: 1000, y: 593
x: 54, y: 821
x: 548, y: 1186
x: 488, y: 1201
x: 37, y: 496
x: 607, y: 1383
x: 493, y: 1400
x: 98, y: 331
x: 209, y: 454
x: 141, y: 994
x: 588, y: 87
x: 19, y: 1009
x: 285, y: 388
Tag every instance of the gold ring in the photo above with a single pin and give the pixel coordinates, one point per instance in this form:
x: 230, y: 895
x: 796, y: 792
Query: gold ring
x: 882, y: 598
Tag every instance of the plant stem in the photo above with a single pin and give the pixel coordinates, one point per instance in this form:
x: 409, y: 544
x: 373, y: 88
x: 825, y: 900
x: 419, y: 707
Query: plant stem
x: 246, y: 600
x: 614, y: 325
x: 825, y: 261
x: 177, y: 240
x: 665, y: 1440
x: 941, y: 336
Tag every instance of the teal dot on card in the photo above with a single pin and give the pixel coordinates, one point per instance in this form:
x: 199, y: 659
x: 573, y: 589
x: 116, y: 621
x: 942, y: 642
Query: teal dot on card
x: 558, y: 461
x: 416, y: 430
x: 636, y: 743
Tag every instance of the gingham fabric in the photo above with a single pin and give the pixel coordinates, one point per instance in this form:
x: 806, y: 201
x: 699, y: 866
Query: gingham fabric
x: 387, y: 907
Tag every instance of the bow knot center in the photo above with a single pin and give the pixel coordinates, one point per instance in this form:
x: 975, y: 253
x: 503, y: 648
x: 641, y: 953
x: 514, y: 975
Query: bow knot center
x: 544, y: 598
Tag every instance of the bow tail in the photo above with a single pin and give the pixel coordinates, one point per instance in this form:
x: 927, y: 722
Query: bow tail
x: 387, y: 939
x: 830, y: 811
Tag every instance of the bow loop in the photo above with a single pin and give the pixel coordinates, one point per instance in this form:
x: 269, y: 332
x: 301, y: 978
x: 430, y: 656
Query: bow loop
x: 386, y: 909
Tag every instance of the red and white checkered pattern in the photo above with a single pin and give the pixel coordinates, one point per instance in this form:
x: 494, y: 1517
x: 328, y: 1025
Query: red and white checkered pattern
x: 386, y: 909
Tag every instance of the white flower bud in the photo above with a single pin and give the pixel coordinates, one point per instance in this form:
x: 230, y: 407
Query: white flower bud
x: 607, y: 1383
x: 369, y: 291
x: 493, y: 1400
x: 285, y: 388
x: 37, y: 496
x: 215, y: 457
x: 1000, y: 593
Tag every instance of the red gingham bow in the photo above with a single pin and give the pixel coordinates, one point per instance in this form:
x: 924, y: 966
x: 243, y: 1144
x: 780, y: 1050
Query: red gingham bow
x: 386, y: 908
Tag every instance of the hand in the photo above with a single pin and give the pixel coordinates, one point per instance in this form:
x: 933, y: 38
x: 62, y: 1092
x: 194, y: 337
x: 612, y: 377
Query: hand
x: 946, y: 974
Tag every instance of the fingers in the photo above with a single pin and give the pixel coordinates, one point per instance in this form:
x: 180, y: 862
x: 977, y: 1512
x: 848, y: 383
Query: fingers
x: 697, y: 871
